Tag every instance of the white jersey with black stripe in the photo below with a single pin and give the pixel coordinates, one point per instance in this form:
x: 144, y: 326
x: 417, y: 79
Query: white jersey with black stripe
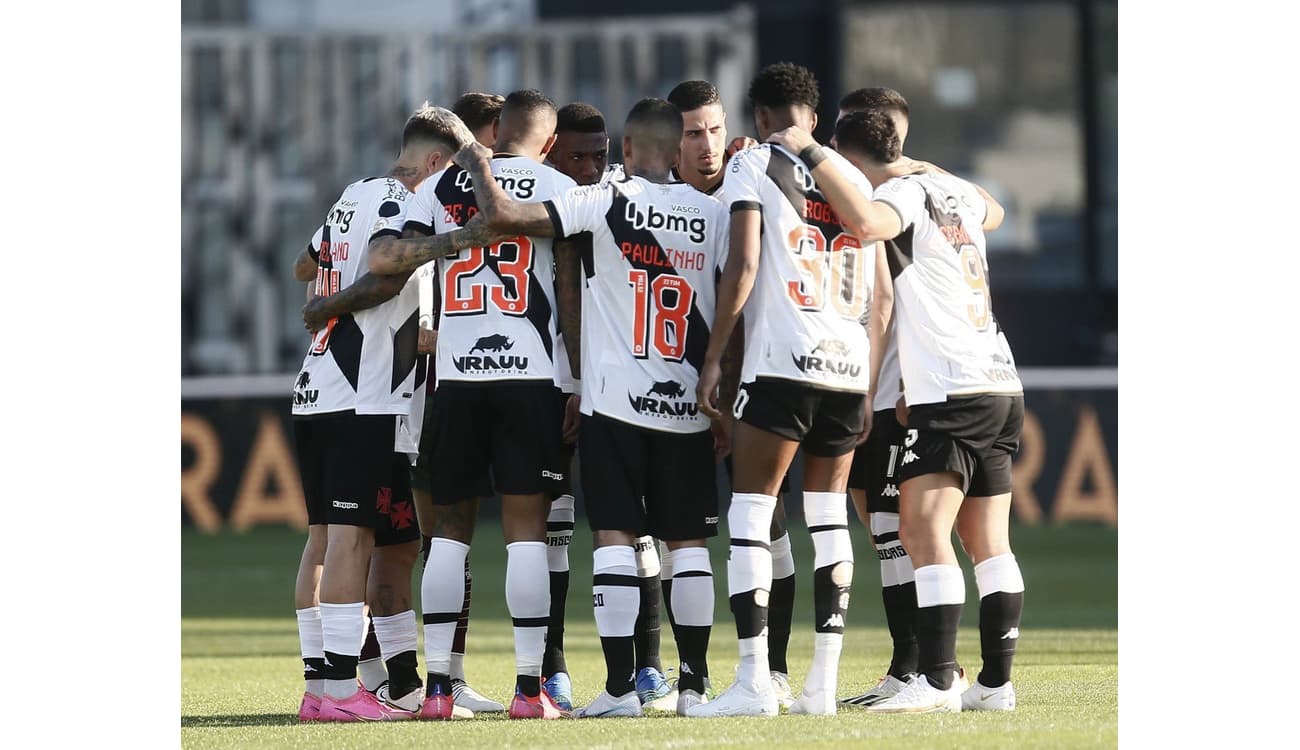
x: 649, y: 296
x: 804, y: 319
x: 497, y: 315
x: 363, y: 361
x: 949, y: 342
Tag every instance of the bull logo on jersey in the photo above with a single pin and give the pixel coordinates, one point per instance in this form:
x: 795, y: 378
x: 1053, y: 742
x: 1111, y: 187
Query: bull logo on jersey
x: 662, y: 399
x: 487, y: 363
x: 830, y: 356
x: 302, y: 396
x: 667, y: 389
x: 694, y: 228
x: 494, y: 343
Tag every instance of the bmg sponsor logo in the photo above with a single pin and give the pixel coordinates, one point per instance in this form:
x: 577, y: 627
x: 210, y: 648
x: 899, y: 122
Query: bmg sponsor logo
x: 694, y: 228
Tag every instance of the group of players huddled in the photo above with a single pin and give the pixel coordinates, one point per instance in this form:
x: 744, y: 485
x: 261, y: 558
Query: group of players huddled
x: 568, y: 304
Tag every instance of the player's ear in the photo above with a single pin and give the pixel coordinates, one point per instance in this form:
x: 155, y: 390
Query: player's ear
x: 496, y: 125
x: 550, y: 143
x: 814, y: 122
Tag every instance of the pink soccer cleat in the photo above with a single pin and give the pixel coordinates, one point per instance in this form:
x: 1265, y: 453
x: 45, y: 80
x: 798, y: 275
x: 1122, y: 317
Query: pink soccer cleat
x: 309, y: 709
x: 437, y: 707
x: 540, y: 707
x: 360, y: 706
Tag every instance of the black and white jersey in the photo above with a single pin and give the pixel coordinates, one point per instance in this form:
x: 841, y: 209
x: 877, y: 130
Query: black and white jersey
x: 804, y: 318
x: 649, y: 296
x: 890, y: 386
x: 363, y: 361
x: 409, y: 429
x: 497, y: 315
x: 949, y: 343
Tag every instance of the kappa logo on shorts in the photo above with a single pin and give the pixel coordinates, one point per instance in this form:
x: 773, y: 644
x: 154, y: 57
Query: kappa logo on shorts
x: 909, y: 457
x: 559, y: 477
x: 890, y: 490
x: 345, y: 505
x: 710, y: 520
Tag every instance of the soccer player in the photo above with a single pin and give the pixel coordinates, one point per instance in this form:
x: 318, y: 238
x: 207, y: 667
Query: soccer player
x: 479, y: 112
x: 495, y: 427
x: 965, y: 410
x: 350, y: 401
x: 646, y: 451
x: 804, y: 283
x: 704, y: 152
x: 581, y: 151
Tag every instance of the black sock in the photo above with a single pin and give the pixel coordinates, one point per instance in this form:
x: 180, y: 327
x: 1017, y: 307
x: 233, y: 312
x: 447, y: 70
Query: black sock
x: 403, y: 675
x: 646, y: 633
x: 693, y: 648
x: 936, y: 641
x: 425, y: 543
x: 529, y: 685
x: 339, y: 667
x: 828, y: 598
x: 313, y: 668
x: 781, y: 604
x: 370, y: 647
x: 553, y: 658
x: 619, y: 664
x: 666, y: 585
x: 750, y: 617
x: 999, y: 634
x: 900, y: 613
x: 438, y: 681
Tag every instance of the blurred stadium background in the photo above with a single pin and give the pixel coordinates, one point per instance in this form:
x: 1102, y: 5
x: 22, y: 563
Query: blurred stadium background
x: 286, y: 101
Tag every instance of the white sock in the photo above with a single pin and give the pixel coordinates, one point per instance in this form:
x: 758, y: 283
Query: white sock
x: 1000, y: 573
x: 782, y: 557
x: 665, y: 562
x: 397, y: 634
x: 457, y: 666
x: 749, y: 568
x: 615, y: 592
x: 528, y: 596
x: 441, y: 596
x: 826, y: 663
x: 895, y: 563
x: 937, y: 585
x: 693, y: 596
x: 372, y: 673
x: 343, y: 629
x: 559, y: 534
x: 312, y: 642
x: 647, y: 557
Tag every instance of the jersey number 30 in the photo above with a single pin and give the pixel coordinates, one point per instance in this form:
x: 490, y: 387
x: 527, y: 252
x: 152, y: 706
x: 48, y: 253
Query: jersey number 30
x: 840, y: 274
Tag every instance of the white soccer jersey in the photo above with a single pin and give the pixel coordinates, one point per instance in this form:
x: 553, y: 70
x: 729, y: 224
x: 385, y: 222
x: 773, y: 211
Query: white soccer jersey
x: 804, y: 317
x: 363, y: 361
x: 649, y: 297
x: 409, y: 429
x: 890, y: 386
x: 497, y: 318
x: 949, y: 343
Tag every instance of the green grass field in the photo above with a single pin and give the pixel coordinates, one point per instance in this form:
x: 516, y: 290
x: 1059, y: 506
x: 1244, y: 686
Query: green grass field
x: 241, y: 672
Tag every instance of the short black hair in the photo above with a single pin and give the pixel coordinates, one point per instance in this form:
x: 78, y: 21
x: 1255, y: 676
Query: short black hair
x: 655, y: 124
x: 526, y: 111
x: 877, y: 97
x: 477, y: 109
x: 691, y: 95
x: 579, y: 117
x: 784, y: 84
x: 871, y: 133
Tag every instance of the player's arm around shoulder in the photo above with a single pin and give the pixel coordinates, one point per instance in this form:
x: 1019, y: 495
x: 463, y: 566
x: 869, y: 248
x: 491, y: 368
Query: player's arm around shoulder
x: 846, y: 189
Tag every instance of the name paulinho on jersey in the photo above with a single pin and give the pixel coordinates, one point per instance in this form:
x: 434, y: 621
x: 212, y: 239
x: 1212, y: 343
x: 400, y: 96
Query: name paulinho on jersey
x: 804, y: 319
x: 649, y: 298
x: 363, y: 361
x: 497, y: 316
x: 949, y: 342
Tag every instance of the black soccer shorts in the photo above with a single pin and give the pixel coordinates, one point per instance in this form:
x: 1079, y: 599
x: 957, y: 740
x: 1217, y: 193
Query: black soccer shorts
x: 875, y: 463
x: 827, y: 423
x: 974, y: 436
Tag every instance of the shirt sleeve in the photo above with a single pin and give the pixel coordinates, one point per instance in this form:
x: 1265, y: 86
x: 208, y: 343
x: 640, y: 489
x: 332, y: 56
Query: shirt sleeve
x: 422, y: 206
x: 905, y: 196
x: 390, y: 216
x: 740, y: 186
x: 722, y: 234
x: 313, y: 247
x: 579, y: 209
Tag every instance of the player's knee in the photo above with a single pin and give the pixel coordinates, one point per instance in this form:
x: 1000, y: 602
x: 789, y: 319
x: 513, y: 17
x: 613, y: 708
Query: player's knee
x: 750, y: 515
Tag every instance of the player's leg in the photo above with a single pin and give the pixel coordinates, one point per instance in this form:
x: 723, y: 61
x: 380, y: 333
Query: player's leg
x: 651, y: 685
x: 460, y: 469
x: 614, y: 460
x: 873, y: 486
x: 525, y: 456
x: 360, y: 453
x: 780, y: 608
x: 828, y: 455
x: 682, y: 509
x: 370, y: 669
x: 388, y: 594
x: 983, y: 524
x: 307, y: 584
x: 559, y: 534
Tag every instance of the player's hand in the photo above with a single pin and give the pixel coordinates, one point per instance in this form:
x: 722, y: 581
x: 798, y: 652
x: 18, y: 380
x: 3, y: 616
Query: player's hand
x: 706, y: 392
x: 473, y: 152
x: 721, y: 429
x: 572, y: 418
x: 901, y: 411
x: 866, y: 423
x: 428, y: 343
x: 738, y: 144
x: 793, y: 139
x: 314, y: 316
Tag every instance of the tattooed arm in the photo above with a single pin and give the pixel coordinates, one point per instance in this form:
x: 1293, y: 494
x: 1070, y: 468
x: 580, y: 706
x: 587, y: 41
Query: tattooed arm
x: 390, y: 255
x: 502, y: 213
x: 365, y: 292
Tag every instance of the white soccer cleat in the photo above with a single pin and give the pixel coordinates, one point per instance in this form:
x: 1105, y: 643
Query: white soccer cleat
x: 888, y: 687
x: 607, y: 706
x: 412, y: 701
x: 781, y: 687
x: 817, y: 704
x: 687, y: 699
x: 740, y: 699
x: 980, y: 698
x: 467, y: 697
x: 920, y: 697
